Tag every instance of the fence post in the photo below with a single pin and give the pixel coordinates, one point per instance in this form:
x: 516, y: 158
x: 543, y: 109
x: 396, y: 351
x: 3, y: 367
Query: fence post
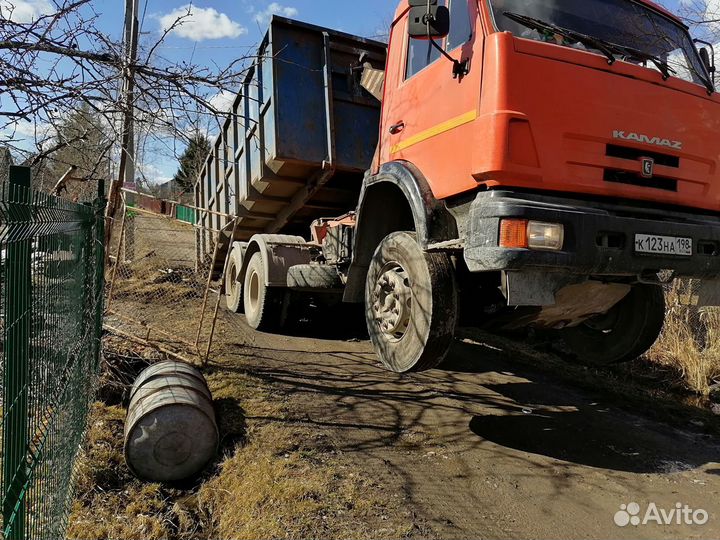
x: 99, y: 239
x: 17, y: 355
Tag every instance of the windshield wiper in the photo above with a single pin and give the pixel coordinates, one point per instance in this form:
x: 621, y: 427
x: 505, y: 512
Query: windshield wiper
x: 608, y: 48
x: 543, y: 26
x: 661, y: 64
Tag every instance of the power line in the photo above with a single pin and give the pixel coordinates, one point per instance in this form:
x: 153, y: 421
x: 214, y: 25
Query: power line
x: 142, y: 20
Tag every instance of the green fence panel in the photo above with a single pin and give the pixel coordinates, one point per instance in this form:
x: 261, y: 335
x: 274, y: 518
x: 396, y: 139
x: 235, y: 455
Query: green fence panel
x: 51, y: 303
x: 17, y: 301
x: 183, y: 213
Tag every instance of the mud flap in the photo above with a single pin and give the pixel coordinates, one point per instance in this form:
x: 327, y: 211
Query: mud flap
x: 564, y: 300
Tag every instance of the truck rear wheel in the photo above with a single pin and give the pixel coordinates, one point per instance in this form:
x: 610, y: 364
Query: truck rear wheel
x: 627, y: 331
x: 233, y: 287
x: 263, y: 304
x: 410, y: 304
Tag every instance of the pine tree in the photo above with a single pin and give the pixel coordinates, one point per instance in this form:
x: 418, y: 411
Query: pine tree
x: 191, y: 162
x: 82, y: 141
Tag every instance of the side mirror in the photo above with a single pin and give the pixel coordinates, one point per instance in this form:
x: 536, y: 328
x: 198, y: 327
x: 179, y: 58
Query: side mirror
x: 425, y: 21
x: 705, y: 57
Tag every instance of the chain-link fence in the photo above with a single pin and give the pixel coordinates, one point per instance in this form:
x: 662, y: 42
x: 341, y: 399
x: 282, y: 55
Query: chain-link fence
x: 690, y: 340
x: 162, y: 257
x: 158, y: 278
x: 51, y: 296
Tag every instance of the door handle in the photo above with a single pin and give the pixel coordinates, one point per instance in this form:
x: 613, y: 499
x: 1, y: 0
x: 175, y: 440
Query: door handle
x: 397, y: 128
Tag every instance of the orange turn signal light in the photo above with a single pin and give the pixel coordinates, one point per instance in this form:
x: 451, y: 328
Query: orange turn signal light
x: 514, y: 233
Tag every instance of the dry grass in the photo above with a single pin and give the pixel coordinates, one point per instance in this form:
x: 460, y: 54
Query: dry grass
x: 273, y: 489
x: 151, y: 279
x: 690, y: 342
x: 275, y: 479
x: 287, y: 482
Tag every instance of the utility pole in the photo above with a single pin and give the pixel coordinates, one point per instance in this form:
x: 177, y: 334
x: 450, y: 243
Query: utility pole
x: 131, y: 38
x: 126, y: 170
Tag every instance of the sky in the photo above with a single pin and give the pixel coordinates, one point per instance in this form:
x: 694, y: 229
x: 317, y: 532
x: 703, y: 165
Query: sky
x: 219, y: 31
x: 219, y: 28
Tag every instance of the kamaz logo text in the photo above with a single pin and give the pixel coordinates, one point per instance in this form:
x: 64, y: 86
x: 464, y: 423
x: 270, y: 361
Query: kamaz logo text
x: 639, y: 137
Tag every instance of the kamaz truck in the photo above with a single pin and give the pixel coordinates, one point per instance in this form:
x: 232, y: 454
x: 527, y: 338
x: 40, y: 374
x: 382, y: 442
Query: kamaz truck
x: 500, y: 163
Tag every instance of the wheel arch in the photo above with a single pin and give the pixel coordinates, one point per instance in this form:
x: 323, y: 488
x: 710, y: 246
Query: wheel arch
x: 278, y: 256
x: 401, y: 195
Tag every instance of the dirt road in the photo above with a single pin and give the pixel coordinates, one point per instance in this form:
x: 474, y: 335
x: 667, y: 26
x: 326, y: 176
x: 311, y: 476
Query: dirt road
x: 491, y: 445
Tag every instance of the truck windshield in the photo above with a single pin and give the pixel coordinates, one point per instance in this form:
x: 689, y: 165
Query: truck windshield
x: 621, y: 22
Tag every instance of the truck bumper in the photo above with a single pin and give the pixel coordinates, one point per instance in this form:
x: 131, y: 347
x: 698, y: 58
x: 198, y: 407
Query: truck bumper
x: 599, y: 237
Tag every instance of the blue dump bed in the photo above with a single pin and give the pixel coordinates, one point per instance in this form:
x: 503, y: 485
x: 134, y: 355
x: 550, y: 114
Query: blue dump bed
x: 301, y: 133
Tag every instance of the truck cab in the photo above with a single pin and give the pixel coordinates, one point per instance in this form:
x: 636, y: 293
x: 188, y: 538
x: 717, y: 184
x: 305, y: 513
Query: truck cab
x: 541, y: 111
x: 573, y: 145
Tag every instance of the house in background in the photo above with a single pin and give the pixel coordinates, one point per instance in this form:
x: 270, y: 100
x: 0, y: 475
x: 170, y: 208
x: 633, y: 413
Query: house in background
x: 173, y: 191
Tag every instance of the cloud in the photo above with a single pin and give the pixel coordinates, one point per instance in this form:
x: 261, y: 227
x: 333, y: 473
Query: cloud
x: 708, y: 10
x: 263, y: 17
x: 154, y: 174
x: 200, y: 24
x: 32, y: 130
x: 222, y: 101
x: 24, y: 11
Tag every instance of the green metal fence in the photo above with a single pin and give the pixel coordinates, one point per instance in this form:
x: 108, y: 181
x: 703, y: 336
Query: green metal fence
x: 183, y: 213
x: 51, y: 298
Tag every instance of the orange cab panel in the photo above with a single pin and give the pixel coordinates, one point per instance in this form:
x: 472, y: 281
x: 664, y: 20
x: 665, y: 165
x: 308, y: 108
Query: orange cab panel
x: 563, y: 133
x: 545, y: 117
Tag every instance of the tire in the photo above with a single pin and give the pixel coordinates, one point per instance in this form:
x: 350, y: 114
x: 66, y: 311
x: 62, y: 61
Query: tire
x: 626, y: 332
x: 263, y: 304
x: 233, y: 286
x: 410, y: 304
x: 314, y: 277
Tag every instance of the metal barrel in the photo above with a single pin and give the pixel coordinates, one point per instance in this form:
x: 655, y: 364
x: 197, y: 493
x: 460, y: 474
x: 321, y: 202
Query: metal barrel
x: 163, y: 369
x: 170, y: 430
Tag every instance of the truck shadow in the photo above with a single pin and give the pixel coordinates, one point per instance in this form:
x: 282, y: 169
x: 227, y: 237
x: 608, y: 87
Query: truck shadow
x: 343, y: 323
x: 550, y: 417
x: 583, y: 438
x: 488, y: 401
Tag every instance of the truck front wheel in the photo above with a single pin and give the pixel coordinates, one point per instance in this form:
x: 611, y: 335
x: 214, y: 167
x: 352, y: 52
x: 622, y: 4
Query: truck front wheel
x: 263, y: 304
x: 627, y: 331
x: 410, y: 304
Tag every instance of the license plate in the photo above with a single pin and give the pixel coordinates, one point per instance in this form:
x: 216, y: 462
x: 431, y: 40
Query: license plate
x: 663, y: 245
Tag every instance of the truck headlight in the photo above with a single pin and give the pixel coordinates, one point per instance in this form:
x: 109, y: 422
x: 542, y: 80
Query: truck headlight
x: 525, y: 234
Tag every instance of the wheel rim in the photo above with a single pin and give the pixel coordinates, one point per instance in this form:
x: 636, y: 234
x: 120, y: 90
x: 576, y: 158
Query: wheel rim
x: 254, y: 292
x: 233, y: 279
x: 392, y: 302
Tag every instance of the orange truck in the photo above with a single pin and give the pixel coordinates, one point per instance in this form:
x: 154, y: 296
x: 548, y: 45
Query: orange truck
x: 503, y: 163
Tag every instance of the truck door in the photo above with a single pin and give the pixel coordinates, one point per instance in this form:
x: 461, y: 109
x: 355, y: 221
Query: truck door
x: 427, y: 114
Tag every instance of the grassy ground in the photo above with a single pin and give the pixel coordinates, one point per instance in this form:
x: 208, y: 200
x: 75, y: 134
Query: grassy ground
x: 689, y: 346
x: 273, y: 479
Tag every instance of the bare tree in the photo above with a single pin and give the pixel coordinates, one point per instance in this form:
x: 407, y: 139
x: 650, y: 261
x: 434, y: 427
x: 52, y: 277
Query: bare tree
x: 703, y: 18
x: 55, y: 62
